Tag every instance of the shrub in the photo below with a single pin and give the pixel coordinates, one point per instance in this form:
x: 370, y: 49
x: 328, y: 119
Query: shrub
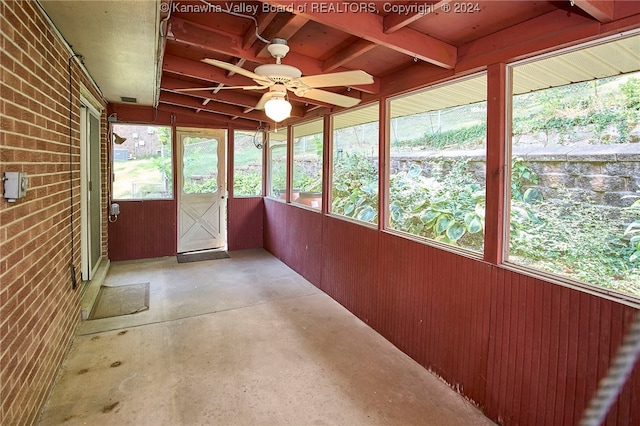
x: 448, y: 207
x: 355, y: 187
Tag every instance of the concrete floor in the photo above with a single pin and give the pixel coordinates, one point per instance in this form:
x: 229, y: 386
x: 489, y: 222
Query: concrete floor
x: 241, y: 341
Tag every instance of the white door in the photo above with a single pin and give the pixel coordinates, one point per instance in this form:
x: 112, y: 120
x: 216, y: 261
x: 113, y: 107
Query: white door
x: 202, y: 202
x: 90, y: 184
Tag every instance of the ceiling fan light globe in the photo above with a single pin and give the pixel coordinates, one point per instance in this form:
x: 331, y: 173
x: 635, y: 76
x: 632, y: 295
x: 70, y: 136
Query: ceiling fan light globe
x: 277, y: 109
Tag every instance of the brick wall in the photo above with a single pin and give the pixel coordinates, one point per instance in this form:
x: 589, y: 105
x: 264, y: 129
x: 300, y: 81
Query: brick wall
x: 39, y: 310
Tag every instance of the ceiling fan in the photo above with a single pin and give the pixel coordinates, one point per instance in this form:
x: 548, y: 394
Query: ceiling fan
x: 279, y: 78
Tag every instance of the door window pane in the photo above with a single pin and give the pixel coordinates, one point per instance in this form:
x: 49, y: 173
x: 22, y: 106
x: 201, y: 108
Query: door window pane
x: 142, y: 162
x: 200, y: 165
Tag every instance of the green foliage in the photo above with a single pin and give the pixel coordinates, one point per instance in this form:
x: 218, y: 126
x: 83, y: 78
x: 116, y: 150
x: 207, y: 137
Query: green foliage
x: 201, y: 186
x: 631, y: 92
x: 573, y: 239
x: 632, y: 232
x: 447, y: 207
x: 165, y: 167
x: 306, y: 182
x: 355, y: 187
x: 278, y: 168
x: 247, y: 183
x: 164, y: 135
x: 591, y: 105
x: 470, y: 135
x: 522, y: 177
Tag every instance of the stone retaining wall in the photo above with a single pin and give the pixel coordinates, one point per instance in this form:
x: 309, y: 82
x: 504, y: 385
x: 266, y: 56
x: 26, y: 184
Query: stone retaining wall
x: 600, y: 174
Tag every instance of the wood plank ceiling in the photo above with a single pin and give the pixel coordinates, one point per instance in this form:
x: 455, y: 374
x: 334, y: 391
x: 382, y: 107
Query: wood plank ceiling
x: 399, y: 43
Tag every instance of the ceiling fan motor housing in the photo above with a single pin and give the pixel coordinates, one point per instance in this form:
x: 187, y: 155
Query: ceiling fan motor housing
x: 278, y: 48
x: 278, y: 73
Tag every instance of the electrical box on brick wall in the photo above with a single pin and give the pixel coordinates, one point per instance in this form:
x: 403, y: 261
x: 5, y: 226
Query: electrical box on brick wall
x: 15, y: 185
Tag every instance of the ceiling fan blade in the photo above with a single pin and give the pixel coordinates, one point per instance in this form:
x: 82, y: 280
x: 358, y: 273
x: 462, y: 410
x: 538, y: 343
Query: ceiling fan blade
x: 263, y: 100
x: 330, y: 98
x: 345, y: 78
x: 236, y: 69
x: 197, y: 89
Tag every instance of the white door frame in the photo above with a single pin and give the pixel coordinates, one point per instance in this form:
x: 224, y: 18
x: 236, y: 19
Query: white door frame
x: 221, y: 194
x: 89, y: 107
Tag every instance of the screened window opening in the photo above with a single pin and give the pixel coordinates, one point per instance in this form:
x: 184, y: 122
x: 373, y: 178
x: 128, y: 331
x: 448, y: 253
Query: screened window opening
x: 277, y: 163
x: 354, y: 180
x: 307, y: 164
x: 142, y: 162
x: 575, y: 175
x: 200, y: 164
x: 438, y: 163
x: 247, y: 163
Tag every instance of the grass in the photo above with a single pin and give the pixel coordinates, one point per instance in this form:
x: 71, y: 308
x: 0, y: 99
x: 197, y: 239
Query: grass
x: 134, y: 172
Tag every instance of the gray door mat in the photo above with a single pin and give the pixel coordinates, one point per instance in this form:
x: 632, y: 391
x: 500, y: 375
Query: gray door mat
x: 114, y: 301
x: 196, y: 256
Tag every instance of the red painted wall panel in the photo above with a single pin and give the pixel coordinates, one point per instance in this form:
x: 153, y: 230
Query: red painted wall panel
x: 144, y: 229
x: 433, y: 305
x: 528, y: 352
x: 147, y: 229
x: 295, y: 237
x: 350, y: 266
x: 275, y: 229
x: 305, y: 249
x: 245, y: 223
x: 548, y: 350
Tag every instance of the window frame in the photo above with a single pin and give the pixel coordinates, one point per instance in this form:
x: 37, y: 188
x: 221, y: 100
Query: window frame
x: 262, y: 164
x: 321, y: 120
x: 269, y: 170
x: 172, y: 163
x: 477, y: 255
x: 504, y: 263
x: 331, y: 166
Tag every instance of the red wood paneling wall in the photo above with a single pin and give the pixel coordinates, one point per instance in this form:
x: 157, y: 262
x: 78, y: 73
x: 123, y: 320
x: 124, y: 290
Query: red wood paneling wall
x: 144, y: 229
x: 296, y: 237
x: 528, y: 352
x: 549, y: 346
x: 245, y: 223
x: 147, y: 229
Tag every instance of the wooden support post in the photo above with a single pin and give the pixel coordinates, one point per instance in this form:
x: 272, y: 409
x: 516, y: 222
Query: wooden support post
x: 495, y: 220
x: 327, y: 163
x: 383, y: 165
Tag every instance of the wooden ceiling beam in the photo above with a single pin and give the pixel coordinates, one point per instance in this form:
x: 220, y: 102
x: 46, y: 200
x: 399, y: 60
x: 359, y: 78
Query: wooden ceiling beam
x: 214, y: 41
x: 233, y: 97
x: 395, y: 21
x: 208, y: 39
x: 358, y: 48
x: 369, y: 26
x: 196, y: 69
x: 542, y: 34
x: 208, y: 116
x: 199, y: 70
x: 189, y: 34
x: 538, y: 35
x: 264, y: 19
x: 602, y: 10
x: 221, y: 107
x: 285, y: 29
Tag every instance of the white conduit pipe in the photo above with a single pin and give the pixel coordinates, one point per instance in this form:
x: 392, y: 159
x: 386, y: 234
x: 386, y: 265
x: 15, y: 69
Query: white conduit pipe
x: 611, y: 385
